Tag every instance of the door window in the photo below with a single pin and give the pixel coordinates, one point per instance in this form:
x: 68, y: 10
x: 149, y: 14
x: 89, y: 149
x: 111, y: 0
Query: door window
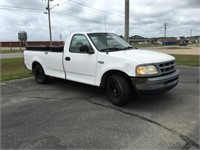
x: 78, y: 41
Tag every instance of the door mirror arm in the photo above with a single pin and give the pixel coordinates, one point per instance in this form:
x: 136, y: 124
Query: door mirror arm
x: 90, y: 52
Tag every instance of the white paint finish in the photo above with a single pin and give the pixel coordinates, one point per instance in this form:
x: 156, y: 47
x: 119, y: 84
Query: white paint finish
x: 53, y: 64
x: 85, y: 68
x: 50, y: 61
x: 126, y: 61
x: 82, y: 66
x: 142, y: 56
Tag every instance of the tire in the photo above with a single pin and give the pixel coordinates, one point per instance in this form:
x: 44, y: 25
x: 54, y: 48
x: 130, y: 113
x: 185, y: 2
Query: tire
x: 39, y: 75
x: 118, y: 90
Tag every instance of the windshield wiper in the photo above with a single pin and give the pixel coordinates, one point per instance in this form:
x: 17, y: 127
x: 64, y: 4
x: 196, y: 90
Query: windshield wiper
x: 129, y: 47
x: 109, y: 49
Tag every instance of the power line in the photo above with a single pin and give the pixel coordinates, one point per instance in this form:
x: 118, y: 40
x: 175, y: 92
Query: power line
x: 16, y: 7
x: 53, y: 12
x: 20, y: 10
x: 41, y: 10
x: 81, y: 18
x: 95, y: 9
x: 37, y: 10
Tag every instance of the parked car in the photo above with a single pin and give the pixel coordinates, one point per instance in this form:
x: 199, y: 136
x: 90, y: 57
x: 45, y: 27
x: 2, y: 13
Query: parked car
x: 183, y: 44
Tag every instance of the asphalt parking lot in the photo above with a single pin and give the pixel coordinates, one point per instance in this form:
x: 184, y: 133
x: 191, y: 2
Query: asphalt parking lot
x: 69, y: 115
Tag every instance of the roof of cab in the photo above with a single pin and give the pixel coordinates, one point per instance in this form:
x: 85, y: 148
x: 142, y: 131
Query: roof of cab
x: 86, y: 32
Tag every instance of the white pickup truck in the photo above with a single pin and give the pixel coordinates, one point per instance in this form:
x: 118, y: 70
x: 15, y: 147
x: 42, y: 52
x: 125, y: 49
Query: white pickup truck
x: 105, y: 60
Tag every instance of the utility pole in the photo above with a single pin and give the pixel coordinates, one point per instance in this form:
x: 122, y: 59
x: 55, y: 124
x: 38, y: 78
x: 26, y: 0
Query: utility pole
x: 48, y: 8
x: 190, y: 35
x: 60, y: 37
x: 165, y: 25
x: 190, y: 32
x: 126, y: 37
x: 49, y: 18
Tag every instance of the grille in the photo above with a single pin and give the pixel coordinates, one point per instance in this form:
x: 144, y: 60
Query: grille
x: 167, y: 67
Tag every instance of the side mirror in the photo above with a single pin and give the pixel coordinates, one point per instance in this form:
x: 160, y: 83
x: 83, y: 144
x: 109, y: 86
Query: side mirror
x: 85, y: 48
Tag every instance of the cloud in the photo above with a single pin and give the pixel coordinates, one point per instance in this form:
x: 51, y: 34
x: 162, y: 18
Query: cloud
x: 190, y: 4
x: 146, y: 17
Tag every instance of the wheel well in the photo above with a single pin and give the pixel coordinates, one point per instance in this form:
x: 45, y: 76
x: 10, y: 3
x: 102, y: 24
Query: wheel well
x: 106, y: 76
x: 34, y: 64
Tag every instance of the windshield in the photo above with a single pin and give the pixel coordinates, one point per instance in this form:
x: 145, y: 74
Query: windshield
x: 105, y: 42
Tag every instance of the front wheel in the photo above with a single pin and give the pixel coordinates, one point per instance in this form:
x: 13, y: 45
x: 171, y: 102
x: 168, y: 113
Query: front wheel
x: 118, y: 90
x: 39, y: 74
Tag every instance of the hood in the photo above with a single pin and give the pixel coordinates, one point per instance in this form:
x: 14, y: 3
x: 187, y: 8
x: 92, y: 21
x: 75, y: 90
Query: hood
x: 143, y: 56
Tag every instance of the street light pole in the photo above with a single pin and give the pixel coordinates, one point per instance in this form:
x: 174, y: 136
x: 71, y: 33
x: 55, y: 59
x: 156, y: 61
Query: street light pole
x: 49, y: 18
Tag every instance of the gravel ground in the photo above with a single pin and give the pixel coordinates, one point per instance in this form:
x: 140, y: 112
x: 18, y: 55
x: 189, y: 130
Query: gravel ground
x: 188, y: 50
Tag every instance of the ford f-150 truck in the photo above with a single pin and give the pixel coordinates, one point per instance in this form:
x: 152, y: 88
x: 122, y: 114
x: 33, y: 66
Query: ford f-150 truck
x: 104, y: 60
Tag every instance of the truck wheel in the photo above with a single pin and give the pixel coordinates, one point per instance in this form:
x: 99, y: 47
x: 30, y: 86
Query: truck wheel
x: 118, y: 90
x: 39, y: 74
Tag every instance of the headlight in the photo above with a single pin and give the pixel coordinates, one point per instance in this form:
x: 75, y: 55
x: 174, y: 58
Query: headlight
x: 146, y: 70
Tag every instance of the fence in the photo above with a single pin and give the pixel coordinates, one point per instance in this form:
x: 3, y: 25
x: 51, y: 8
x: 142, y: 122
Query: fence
x: 13, y: 45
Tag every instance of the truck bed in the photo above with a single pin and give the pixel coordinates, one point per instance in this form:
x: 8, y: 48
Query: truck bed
x: 45, y: 48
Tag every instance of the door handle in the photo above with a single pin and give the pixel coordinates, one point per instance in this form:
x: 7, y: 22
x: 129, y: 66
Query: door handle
x: 67, y: 58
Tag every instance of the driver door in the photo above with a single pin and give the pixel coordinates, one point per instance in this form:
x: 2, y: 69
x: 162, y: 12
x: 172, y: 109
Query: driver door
x: 80, y: 66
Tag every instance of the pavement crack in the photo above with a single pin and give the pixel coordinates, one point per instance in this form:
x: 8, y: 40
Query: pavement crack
x: 187, y: 145
x: 56, y: 98
x: 189, y: 142
x: 20, y: 91
x: 46, y: 142
x: 60, y: 98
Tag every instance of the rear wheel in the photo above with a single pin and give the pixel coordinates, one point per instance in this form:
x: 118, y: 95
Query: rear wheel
x: 39, y: 74
x: 118, y: 90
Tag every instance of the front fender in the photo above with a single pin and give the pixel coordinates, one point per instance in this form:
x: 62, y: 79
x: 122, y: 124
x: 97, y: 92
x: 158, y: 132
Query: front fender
x: 121, y: 67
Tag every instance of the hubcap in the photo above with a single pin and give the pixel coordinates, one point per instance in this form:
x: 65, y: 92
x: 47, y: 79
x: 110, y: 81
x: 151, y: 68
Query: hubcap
x: 38, y: 74
x: 114, y: 91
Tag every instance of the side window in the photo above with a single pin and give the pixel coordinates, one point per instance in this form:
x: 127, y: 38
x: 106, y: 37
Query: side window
x: 77, y: 41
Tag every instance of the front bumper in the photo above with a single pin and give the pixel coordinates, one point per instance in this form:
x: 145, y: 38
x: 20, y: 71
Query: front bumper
x: 155, y: 85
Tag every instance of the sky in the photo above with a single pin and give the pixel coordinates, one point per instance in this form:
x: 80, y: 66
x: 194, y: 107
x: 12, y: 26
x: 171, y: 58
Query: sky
x: 147, y: 18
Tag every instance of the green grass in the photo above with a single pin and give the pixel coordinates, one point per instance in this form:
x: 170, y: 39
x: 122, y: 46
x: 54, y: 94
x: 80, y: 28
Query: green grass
x: 13, y: 68
x: 187, y: 60
x: 9, y: 51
